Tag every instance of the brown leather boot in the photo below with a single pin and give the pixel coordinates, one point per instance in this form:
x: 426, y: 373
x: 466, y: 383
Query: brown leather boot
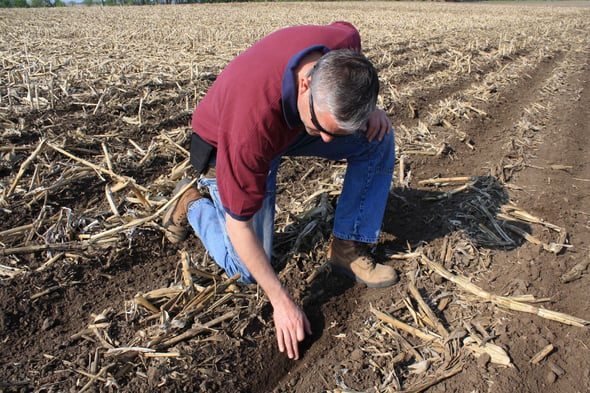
x: 353, y: 259
x: 175, y: 221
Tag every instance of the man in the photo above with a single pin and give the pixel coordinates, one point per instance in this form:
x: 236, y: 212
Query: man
x: 301, y: 91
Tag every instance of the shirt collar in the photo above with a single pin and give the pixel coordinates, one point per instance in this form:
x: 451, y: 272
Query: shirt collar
x: 289, y: 87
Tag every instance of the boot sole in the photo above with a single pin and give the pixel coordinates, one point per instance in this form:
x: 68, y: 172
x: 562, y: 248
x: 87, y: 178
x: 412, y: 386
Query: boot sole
x: 350, y: 274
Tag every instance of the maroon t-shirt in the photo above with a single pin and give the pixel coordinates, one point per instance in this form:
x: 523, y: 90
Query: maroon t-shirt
x: 250, y: 112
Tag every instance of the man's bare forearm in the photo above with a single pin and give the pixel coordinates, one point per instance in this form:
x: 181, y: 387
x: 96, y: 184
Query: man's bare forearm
x: 290, y: 322
x: 251, y: 252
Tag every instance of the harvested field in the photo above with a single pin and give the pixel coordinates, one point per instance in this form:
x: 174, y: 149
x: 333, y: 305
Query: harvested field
x: 488, y: 218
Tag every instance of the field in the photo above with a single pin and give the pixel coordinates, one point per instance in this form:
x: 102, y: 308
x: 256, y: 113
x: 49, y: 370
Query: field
x: 487, y: 222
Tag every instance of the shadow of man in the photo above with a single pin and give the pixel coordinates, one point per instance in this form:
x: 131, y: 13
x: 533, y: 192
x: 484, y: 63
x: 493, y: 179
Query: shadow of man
x: 417, y: 216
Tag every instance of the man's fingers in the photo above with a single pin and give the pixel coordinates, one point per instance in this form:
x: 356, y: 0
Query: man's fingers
x: 290, y: 330
x: 300, y: 332
x: 291, y: 339
x: 287, y: 343
x: 296, y: 344
x: 280, y: 341
x: 292, y: 350
x: 378, y: 131
x: 385, y: 130
x: 383, y: 127
x: 378, y: 126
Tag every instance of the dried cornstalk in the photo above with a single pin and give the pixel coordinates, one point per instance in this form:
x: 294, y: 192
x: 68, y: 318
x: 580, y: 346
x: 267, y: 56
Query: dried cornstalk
x: 12, y: 148
x: 198, y: 272
x: 77, y: 174
x: 414, y: 314
x: 15, y: 231
x: 175, y: 145
x: 421, y: 152
x: 197, y: 330
x: 542, y: 354
x: 9, y: 271
x: 54, y: 288
x: 50, y: 261
x: 197, y: 304
x: 497, y: 354
x: 551, y: 247
x: 142, y: 301
x: 485, y: 211
x: 25, y: 166
x: 111, y: 201
x: 97, y: 168
x: 409, y: 348
x: 164, y: 293
x: 427, y: 310
x: 185, y: 260
x: 446, y: 180
x: 502, y: 301
x: 124, y: 179
x: 575, y: 272
x: 409, y: 255
x: 44, y: 247
x: 118, y: 350
x: 402, y: 170
x: 422, y: 386
x: 224, y: 299
x: 450, y: 193
x: 516, y: 212
x: 140, y: 221
x: 174, y: 354
x: 107, y: 157
x: 429, y: 337
x: 178, y: 171
x: 96, y: 377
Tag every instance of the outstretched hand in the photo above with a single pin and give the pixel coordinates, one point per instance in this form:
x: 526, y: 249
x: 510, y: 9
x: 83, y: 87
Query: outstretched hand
x: 290, y: 322
x: 291, y: 325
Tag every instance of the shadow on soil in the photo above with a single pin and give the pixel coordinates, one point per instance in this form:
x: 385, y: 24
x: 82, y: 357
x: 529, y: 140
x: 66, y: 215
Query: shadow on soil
x: 414, y: 216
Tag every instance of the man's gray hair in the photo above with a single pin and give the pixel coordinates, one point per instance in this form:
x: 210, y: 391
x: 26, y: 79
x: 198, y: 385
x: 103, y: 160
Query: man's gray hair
x: 345, y: 84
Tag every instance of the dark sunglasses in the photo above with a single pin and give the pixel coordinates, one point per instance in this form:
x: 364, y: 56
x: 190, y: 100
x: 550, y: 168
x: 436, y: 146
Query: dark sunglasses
x: 315, y: 122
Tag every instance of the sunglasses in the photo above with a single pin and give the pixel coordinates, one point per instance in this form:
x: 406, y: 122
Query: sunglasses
x: 315, y: 122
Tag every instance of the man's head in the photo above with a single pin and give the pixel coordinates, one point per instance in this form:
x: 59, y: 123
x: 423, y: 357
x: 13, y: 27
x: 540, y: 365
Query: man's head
x: 345, y: 85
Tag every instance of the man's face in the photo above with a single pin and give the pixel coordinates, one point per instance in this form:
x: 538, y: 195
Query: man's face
x: 320, y: 123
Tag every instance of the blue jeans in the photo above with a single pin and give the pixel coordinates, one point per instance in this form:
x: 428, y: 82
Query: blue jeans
x: 359, y: 212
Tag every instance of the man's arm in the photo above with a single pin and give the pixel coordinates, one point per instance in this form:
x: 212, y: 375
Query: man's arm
x: 290, y: 322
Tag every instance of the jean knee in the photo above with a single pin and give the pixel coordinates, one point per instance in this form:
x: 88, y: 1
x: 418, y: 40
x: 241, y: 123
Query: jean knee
x: 386, y: 152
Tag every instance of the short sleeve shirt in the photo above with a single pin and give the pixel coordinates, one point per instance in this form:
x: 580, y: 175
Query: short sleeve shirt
x: 250, y: 112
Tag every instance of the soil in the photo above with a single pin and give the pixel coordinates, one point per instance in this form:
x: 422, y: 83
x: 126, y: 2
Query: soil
x: 548, y: 176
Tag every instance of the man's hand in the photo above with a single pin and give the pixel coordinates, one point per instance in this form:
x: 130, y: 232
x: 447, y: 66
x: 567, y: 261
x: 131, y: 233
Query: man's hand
x: 291, y: 325
x: 290, y: 322
x: 379, y: 125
